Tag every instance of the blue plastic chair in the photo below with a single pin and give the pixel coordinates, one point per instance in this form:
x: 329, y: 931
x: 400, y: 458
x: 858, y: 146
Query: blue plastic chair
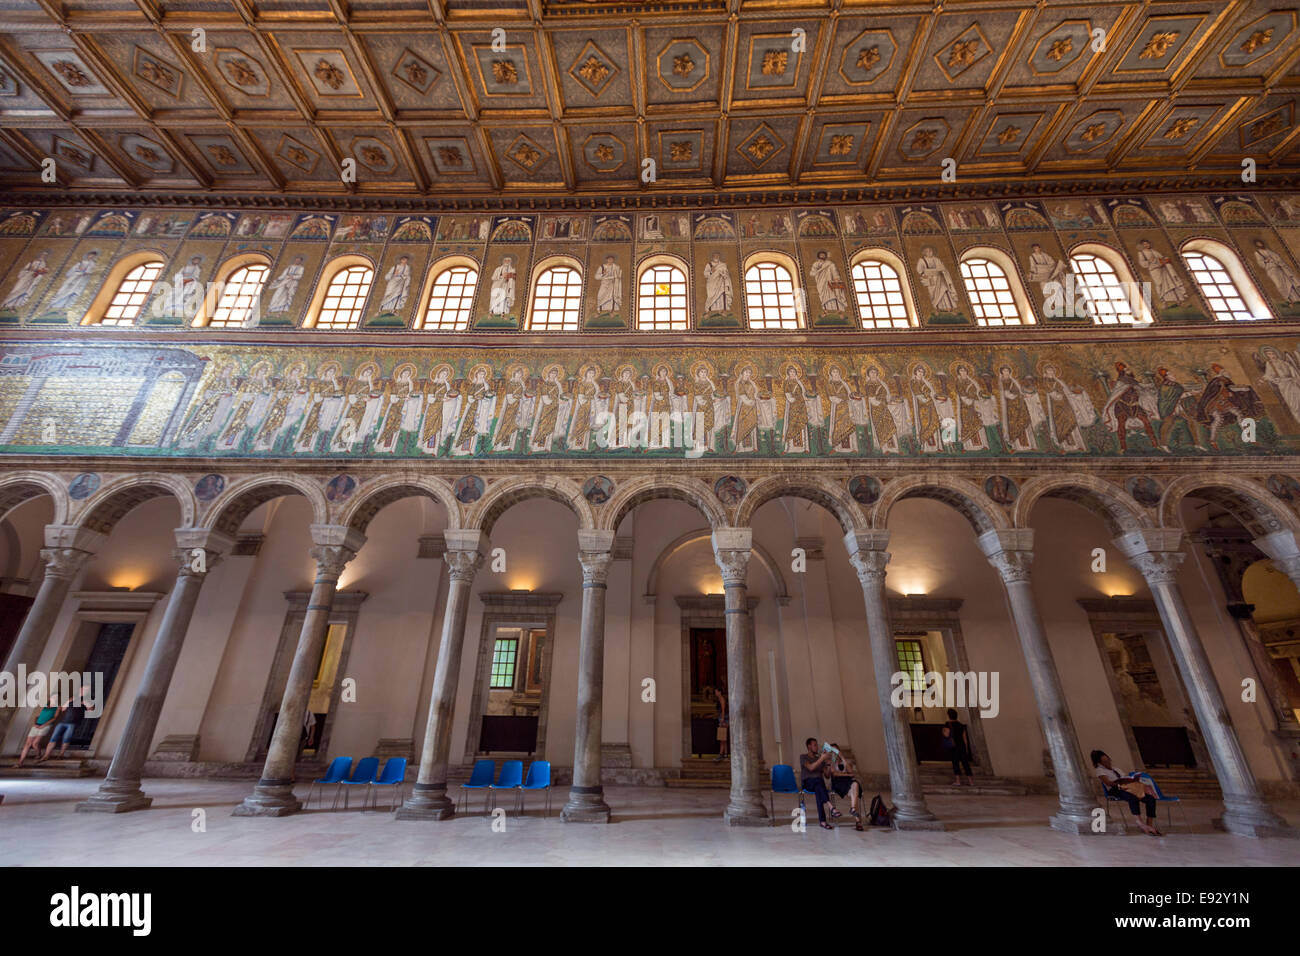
x: 1168, y: 801
x: 335, y: 773
x: 363, y: 776
x: 783, y: 781
x: 539, y: 778
x: 480, y: 778
x: 394, y: 776
x: 512, y: 778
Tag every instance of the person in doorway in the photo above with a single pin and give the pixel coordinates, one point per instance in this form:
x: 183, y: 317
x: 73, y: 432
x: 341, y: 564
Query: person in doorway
x: 72, y: 715
x: 45, y: 718
x: 1129, y: 788
x: 957, y: 746
x: 724, y: 722
x: 844, y: 783
x: 810, y: 768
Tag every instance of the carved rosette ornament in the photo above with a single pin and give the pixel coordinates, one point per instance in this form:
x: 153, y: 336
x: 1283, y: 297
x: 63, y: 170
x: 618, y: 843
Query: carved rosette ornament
x: 63, y: 562
x: 870, y: 566
x: 1014, y: 566
x: 462, y: 565
x: 595, y: 567
x: 331, y: 559
x: 734, y: 564
x: 1158, y: 567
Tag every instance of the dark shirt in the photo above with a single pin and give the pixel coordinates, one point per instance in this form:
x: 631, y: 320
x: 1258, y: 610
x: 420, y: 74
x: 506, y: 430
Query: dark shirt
x: 806, y: 761
x: 75, y: 714
x: 958, y: 733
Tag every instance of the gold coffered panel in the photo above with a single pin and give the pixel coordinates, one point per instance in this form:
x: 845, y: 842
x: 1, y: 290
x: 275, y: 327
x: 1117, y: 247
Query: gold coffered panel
x: 570, y: 99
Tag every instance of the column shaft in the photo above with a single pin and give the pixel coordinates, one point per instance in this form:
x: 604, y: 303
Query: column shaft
x: 428, y: 799
x: 912, y: 813
x: 61, y: 566
x: 1245, y: 811
x: 586, y: 803
x: 120, y: 791
x: 273, y: 795
x: 745, y: 807
x: 1075, y: 790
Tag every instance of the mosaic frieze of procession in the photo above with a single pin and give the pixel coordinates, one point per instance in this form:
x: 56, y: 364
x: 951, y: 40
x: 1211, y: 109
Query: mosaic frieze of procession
x: 1192, y: 396
x: 53, y: 261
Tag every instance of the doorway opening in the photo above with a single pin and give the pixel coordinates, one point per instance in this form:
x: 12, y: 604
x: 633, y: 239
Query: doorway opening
x: 514, y: 701
x: 708, y: 670
x: 512, y: 679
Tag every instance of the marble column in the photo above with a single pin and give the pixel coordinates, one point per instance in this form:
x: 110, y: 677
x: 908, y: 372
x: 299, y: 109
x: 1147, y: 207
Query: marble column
x: 1284, y: 551
x: 1156, y: 553
x: 1011, y: 552
x: 335, y: 546
x: 66, y: 551
x: 463, y: 553
x: 868, y: 556
x: 586, y: 802
x: 197, y: 550
x: 732, y: 548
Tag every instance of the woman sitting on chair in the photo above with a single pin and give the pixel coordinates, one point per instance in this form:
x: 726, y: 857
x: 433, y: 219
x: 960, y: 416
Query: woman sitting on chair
x: 1129, y: 788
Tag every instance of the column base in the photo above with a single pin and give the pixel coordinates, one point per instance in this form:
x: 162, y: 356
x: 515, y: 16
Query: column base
x: 917, y: 823
x: 1076, y: 825
x: 113, y: 797
x: 915, y: 816
x: 427, y: 802
x: 586, y: 805
x: 1254, y: 826
x: 746, y: 817
x: 270, y: 798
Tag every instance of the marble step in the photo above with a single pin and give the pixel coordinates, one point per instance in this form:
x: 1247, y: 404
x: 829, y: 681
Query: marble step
x: 69, y: 767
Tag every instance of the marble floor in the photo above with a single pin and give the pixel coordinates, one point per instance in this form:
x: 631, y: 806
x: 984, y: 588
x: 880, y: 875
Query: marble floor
x: 652, y: 826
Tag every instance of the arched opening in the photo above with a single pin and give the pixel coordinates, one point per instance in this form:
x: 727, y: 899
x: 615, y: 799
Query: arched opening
x: 341, y: 293
x: 994, y: 289
x: 448, y: 295
x: 126, y: 291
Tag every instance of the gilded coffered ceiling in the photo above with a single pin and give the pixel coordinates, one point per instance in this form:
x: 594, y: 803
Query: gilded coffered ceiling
x: 437, y: 100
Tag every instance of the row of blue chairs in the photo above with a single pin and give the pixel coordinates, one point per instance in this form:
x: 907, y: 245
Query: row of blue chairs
x: 484, y: 777
x: 367, y: 774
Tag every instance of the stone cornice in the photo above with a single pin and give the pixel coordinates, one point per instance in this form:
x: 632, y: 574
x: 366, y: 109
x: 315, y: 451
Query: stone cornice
x: 1082, y: 184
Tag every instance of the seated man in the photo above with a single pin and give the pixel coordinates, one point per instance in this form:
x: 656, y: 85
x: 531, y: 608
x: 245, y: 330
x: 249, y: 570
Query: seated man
x: 810, y: 766
x: 844, y: 783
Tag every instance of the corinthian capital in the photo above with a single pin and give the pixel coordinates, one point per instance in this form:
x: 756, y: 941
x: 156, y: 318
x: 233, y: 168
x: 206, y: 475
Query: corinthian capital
x: 463, y: 564
x: 734, y: 565
x: 1012, y: 565
x: 595, y: 567
x: 870, y: 566
x: 331, y: 559
x: 195, y: 562
x: 1158, y: 567
x: 63, y: 562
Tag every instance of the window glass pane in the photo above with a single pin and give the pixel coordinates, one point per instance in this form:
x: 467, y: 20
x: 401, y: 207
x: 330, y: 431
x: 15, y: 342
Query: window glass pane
x: 557, y: 296
x: 880, y: 295
x: 239, y: 296
x: 661, y: 299
x: 449, y: 300
x: 911, y: 663
x: 769, y: 297
x: 504, y: 654
x: 989, y: 292
x: 1097, y: 283
x: 1217, y: 286
x: 345, y: 298
x: 132, y: 294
